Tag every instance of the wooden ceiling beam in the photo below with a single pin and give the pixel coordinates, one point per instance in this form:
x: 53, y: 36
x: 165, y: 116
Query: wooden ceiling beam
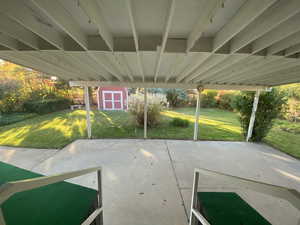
x: 272, y: 17
x: 161, y: 49
x: 135, y: 37
x: 249, y: 11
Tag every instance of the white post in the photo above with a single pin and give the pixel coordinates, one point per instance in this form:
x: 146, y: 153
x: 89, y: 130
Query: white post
x: 252, y: 119
x: 98, y: 100
x: 145, y: 112
x: 88, y: 109
x: 196, y: 126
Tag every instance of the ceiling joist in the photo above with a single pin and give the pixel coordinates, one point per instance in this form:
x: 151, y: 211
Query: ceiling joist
x: 93, y: 10
x: 272, y: 17
x: 161, y: 48
x: 135, y: 37
x: 234, y: 43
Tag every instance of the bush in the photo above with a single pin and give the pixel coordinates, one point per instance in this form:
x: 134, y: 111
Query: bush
x: 155, y: 106
x: 178, y: 122
x: 292, y: 110
x: 208, y: 99
x: 269, y: 107
x: 226, y: 100
x: 46, y: 105
x: 11, y: 103
x: 11, y: 99
x: 176, y: 97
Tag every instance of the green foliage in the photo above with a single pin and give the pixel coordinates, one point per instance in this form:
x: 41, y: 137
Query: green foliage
x: 176, y: 97
x: 208, y: 99
x: 292, y: 110
x: 47, y: 105
x: 178, y: 122
x: 11, y: 103
x: 269, y: 107
x: 10, y: 97
x: 136, y: 108
x: 291, y: 90
x: 8, y: 86
x: 19, y: 85
x: 226, y: 100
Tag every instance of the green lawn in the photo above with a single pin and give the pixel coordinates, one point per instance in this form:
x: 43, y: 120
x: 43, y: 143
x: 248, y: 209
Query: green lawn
x: 6, y: 119
x: 58, y: 129
x: 285, y: 136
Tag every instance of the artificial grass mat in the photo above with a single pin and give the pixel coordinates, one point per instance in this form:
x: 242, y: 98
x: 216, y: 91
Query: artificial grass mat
x: 55, y: 204
x: 227, y: 208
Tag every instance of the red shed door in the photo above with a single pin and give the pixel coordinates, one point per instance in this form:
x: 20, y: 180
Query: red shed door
x: 112, y: 100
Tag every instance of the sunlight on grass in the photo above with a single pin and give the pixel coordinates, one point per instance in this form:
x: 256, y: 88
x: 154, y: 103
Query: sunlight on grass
x: 46, y: 131
x: 56, y: 130
x: 203, y: 120
x: 106, y: 117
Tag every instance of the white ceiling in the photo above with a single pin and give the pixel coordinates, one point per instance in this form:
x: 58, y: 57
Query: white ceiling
x: 233, y: 43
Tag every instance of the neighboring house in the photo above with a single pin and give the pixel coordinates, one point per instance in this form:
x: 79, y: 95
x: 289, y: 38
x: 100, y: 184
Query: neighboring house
x: 112, y: 98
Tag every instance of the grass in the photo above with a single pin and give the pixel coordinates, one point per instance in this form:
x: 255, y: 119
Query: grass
x: 285, y: 136
x: 58, y: 129
x: 6, y: 119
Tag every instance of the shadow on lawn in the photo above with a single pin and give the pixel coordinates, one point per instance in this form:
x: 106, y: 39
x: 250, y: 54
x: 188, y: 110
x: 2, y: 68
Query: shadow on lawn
x: 210, y: 129
x: 213, y: 123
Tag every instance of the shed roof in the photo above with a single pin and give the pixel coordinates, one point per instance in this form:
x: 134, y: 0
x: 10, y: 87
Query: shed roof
x: 235, y: 44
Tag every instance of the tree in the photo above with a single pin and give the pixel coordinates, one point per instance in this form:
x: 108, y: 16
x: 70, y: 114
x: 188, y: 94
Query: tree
x: 269, y: 107
x: 19, y: 85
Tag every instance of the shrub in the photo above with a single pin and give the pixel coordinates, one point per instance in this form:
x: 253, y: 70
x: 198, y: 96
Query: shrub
x: 178, y: 122
x: 46, y: 105
x: 155, y: 106
x: 292, y: 110
x: 226, y: 100
x: 269, y: 107
x: 208, y: 99
x: 11, y: 103
x: 176, y: 97
x: 11, y: 98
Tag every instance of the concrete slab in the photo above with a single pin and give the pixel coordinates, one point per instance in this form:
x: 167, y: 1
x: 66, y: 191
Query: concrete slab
x: 149, y: 181
x: 24, y: 157
x: 138, y: 181
x: 246, y: 160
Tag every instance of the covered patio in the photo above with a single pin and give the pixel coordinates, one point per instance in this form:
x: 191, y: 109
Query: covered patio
x: 210, y: 44
x: 150, y: 181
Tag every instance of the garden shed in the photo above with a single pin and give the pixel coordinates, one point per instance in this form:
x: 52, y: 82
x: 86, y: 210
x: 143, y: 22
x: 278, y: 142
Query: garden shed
x: 112, y: 98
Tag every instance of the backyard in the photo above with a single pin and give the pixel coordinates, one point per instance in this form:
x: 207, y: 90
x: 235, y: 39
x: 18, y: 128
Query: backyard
x: 56, y: 130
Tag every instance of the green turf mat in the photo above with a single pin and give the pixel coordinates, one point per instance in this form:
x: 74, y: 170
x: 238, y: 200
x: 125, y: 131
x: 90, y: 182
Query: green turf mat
x: 56, y: 204
x: 227, y: 208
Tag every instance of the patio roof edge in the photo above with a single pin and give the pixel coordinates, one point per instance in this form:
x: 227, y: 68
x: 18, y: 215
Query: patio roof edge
x: 168, y: 85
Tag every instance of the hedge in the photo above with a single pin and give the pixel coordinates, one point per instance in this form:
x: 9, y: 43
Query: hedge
x: 46, y: 105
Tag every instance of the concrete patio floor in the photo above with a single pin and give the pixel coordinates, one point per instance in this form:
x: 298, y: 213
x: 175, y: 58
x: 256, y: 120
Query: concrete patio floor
x: 147, y: 182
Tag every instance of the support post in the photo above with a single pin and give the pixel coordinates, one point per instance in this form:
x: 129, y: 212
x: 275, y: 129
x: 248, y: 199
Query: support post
x: 196, y: 125
x: 145, y: 112
x: 88, y: 109
x: 98, y: 99
x: 252, y: 118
